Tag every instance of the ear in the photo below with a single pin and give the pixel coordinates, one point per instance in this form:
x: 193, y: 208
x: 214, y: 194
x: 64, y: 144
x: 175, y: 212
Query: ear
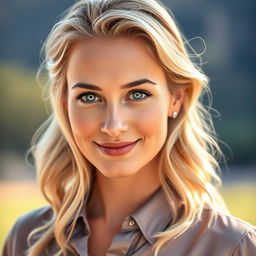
x: 176, y: 102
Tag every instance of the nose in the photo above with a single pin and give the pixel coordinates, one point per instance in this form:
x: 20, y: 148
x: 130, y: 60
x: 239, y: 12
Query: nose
x: 114, y: 123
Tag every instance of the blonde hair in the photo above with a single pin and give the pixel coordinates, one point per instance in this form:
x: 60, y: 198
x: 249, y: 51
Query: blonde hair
x: 188, y: 164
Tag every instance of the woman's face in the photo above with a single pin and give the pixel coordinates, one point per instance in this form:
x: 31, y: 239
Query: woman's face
x: 117, y: 94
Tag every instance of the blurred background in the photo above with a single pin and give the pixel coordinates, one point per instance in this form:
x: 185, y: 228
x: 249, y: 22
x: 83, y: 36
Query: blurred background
x: 228, y: 31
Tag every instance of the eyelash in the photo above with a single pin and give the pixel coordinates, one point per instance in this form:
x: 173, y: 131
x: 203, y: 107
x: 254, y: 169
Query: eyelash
x: 146, y: 93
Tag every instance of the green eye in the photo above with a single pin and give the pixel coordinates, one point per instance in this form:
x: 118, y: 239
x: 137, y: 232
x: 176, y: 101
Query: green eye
x: 136, y: 95
x: 139, y: 95
x: 88, y: 97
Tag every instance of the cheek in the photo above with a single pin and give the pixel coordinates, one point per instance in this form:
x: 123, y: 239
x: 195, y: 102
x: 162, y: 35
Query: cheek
x: 83, y: 123
x: 152, y: 121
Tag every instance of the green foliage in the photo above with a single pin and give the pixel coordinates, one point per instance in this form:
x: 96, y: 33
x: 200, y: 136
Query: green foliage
x: 239, y: 135
x: 22, y: 107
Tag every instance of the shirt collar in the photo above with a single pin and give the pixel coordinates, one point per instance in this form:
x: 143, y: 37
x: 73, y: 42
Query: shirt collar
x: 152, y: 217
x: 81, y: 215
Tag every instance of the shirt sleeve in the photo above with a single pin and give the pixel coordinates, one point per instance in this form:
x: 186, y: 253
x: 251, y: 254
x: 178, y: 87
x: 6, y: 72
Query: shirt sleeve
x: 10, y: 241
x: 247, y: 245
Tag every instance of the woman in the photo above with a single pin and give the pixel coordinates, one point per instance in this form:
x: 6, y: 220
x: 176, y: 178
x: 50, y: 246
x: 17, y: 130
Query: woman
x: 127, y: 160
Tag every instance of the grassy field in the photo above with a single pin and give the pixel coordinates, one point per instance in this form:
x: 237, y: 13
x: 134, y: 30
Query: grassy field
x: 20, y: 197
x: 241, y: 200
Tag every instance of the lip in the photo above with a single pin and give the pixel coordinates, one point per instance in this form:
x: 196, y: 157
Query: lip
x: 117, y: 145
x: 117, y: 149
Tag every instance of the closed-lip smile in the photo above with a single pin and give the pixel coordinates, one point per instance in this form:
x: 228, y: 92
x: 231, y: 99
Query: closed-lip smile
x: 118, y: 148
x: 117, y: 144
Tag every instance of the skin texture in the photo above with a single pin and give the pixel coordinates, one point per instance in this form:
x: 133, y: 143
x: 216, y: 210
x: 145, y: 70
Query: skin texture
x: 123, y: 183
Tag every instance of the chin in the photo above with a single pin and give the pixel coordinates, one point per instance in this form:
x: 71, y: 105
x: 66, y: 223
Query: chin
x: 117, y: 172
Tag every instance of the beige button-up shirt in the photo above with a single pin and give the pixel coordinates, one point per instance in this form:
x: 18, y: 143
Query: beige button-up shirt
x: 227, y: 236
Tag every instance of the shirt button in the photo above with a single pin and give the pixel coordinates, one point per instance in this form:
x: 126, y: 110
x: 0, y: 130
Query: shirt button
x: 131, y: 223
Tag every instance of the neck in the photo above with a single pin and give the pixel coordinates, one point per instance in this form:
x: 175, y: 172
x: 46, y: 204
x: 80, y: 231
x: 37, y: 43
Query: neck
x: 113, y: 199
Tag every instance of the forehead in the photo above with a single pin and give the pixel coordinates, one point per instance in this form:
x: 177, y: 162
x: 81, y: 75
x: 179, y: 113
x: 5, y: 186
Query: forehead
x: 101, y: 58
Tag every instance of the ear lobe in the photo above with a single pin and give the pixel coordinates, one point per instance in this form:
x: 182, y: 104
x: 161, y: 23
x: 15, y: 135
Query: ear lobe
x: 176, y: 101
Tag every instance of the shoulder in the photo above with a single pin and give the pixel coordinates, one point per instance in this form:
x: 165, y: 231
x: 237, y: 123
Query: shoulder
x: 31, y: 220
x: 231, y: 230
x: 16, y: 241
x: 217, y: 233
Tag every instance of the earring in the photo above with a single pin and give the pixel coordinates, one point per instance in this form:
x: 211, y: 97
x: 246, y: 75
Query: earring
x: 174, y: 114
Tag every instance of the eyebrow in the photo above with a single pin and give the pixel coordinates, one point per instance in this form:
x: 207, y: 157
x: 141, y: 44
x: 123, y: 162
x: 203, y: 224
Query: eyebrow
x: 125, y: 86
